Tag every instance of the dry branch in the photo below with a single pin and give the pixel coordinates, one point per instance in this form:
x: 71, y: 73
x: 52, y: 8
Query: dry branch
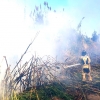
x: 26, y: 51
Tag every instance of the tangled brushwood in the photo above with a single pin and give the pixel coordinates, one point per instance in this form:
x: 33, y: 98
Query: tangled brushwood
x: 48, y: 79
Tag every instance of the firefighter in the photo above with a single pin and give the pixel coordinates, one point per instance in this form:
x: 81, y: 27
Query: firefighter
x: 86, y: 68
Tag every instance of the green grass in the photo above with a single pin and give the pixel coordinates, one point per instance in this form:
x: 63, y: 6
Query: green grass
x: 46, y: 92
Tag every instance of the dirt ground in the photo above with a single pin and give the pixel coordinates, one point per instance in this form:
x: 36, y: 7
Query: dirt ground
x: 89, y: 90
x: 93, y: 97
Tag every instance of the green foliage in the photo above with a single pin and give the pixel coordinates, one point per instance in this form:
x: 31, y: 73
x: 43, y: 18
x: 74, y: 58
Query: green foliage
x: 39, y: 18
x: 94, y: 36
x: 87, y: 40
x: 27, y: 96
x: 79, y: 37
x: 46, y: 92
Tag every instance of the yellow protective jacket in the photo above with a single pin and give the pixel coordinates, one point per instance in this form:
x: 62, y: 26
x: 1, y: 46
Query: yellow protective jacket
x: 85, y: 61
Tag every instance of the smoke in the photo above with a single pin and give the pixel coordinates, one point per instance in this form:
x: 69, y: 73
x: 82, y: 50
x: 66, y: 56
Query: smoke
x: 18, y: 29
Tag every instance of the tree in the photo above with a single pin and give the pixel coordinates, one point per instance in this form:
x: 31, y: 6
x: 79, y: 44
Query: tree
x: 94, y: 36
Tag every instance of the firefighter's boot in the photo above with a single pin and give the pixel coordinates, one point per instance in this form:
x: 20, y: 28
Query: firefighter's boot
x: 83, y: 77
x: 90, y: 78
